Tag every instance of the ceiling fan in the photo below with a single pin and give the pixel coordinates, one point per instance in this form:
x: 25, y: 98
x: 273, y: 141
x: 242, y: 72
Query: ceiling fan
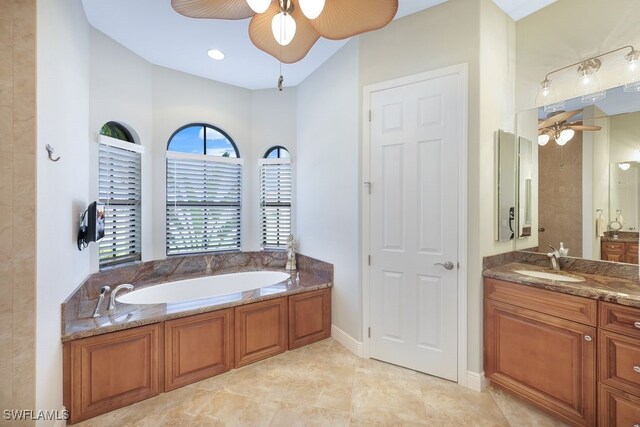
x: 287, y: 29
x: 557, y: 127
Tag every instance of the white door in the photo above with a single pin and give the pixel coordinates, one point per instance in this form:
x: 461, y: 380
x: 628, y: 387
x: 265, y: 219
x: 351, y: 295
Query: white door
x: 415, y: 146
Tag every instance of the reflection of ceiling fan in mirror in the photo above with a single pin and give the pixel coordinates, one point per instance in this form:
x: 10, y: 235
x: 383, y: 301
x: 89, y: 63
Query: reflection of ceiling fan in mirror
x: 557, y: 127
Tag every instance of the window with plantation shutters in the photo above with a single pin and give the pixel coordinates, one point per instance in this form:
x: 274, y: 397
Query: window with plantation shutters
x: 203, y: 203
x: 276, y: 189
x: 120, y: 197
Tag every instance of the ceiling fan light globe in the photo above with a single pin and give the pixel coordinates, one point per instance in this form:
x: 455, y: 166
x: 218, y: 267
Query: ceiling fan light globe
x: 259, y: 6
x: 565, y: 136
x: 311, y: 8
x: 543, y: 139
x: 283, y: 27
x: 624, y: 166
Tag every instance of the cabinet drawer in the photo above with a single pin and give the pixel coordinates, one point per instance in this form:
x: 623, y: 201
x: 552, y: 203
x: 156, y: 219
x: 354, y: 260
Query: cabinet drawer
x: 612, y: 247
x: 620, y: 318
x: 565, y: 306
x: 620, y: 361
x: 617, y: 408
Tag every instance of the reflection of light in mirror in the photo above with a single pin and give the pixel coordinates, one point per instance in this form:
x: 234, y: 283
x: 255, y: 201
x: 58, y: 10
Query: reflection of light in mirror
x: 624, y: 166
x: 543, y: 139
x: 631, y: 71
x: 636, y: 156
x: 565, y: 136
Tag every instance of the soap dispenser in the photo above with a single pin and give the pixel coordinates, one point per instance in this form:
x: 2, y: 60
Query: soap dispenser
x: 563, y: 251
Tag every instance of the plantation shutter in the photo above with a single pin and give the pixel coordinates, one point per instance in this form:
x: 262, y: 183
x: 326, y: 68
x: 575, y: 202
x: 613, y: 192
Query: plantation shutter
x: 203, y: 203
x: 120, y: 196
x: 276, y: 189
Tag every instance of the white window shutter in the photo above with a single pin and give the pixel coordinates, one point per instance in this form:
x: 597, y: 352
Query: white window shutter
x: 276, y: 189
x: 204, y: 196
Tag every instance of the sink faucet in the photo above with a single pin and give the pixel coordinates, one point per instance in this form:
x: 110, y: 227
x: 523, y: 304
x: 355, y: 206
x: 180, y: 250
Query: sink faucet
x: 291, y: 253
x: 553, y: 257
x: 112, y: 302
x: 103, y: 291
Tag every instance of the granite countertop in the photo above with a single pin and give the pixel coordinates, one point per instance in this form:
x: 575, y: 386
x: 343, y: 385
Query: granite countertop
x: 620, y: 239
x: 604, y: 288
x: 77, y: 311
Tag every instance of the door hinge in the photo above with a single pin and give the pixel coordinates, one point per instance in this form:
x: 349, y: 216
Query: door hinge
x: 369, y: 259
x: 369, y: 184
x: 369, y: 332
x: 369, y: 115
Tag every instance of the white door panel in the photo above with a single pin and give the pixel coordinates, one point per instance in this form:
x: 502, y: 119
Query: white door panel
x: 415, y: 143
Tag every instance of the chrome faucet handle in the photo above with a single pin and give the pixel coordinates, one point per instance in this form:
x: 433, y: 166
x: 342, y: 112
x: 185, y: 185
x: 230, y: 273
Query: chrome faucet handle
x: 103, y: 291
x: 112, y: 301
x: 555, y: 251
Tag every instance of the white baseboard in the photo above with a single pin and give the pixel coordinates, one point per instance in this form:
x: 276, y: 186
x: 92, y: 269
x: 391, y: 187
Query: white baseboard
x: 351, y: 344
x: 476, y: 381
x: 60, y: 423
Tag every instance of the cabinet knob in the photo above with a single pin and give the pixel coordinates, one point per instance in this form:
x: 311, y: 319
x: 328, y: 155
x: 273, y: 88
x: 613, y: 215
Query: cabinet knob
x: 588, y: 338
x: 636, y: 325
x: 636, y: 369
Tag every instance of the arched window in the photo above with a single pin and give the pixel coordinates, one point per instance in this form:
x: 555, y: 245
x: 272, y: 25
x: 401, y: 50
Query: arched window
x: 202, y: 139
x: 277, y: 152
x: 204, y: 188
x: 120, y: 198
x: 276, y: 193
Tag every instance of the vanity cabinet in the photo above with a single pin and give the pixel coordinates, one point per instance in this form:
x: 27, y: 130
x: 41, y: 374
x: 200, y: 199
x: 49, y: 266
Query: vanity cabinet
x: 106, y: 372
x: 619, y: 360
x: 541, y: 345
x: 260, y: 330
x: 197, y: 347
x: 619, y: 252
x: 309, y: 317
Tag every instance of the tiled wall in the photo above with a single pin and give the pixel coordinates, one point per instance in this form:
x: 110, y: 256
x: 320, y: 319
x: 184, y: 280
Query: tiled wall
x: 17, y: 204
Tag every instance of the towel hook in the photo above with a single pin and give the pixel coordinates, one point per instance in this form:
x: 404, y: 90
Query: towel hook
x: 50, y: 150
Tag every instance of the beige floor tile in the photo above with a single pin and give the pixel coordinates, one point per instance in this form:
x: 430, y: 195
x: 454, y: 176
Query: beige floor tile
x: 519, y: 413
x: 216, y: 383
x: 234, y: 410
x: 290, y: 415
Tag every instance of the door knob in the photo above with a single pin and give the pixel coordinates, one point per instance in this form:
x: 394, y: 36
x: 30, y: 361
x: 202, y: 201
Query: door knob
x: 448, y: 265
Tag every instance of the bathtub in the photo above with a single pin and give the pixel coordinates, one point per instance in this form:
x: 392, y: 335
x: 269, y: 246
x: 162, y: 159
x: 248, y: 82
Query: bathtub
x: 232, y: 284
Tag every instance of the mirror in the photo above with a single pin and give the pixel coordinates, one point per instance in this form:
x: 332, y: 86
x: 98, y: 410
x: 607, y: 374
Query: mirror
x: 578, y: 193
x: 506, y: 178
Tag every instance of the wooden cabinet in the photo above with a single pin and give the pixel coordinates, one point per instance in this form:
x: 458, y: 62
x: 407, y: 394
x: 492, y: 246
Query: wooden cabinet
x: 198, y: 347
x: 260, y: 330
x: 309, y: 317
x: 619, y: 252
x: 110, y: 371
x: 535, y: 348
x: 619, y: 365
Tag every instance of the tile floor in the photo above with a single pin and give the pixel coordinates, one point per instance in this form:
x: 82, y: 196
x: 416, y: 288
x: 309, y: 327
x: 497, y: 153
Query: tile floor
x: 325, y: 385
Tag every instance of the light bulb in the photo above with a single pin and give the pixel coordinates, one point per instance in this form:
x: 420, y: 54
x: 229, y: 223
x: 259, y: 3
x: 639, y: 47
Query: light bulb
x: 543, y: 139
x: 546, y: 94
x: 588, y: 83
x: 631, y: 72
x: 215, y: 54
x: 565, y: 136
x: 624, y: 166
x: 311, y: 8
x: 283, y: 27
x: 259, y: 6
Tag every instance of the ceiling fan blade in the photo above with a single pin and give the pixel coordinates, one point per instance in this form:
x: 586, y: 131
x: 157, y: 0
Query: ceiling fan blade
x: 342, y: 19
x: 262, y: 36
x: 584, y: 127
x: 213, y: 9
x: 557, y: 118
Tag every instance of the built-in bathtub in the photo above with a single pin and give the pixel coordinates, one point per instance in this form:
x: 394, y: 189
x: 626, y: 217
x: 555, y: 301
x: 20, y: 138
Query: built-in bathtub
x: 226, y: 286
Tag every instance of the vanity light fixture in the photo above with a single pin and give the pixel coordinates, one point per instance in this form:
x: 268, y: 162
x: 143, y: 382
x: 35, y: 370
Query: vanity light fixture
x: 587, y: 83
x: 624, y: 166
x: 215, y: 54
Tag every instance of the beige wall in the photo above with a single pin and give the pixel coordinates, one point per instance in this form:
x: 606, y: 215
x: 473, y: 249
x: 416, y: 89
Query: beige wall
x: 17, y: 204
x: 569, y: 31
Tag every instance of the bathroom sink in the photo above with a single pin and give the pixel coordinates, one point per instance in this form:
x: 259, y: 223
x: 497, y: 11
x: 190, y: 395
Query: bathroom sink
x: 550, y: 276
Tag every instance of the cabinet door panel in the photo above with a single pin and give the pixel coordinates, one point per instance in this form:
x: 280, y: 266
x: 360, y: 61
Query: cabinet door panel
x: 617, y: 408
x: 545, y: 359
x: 197, y: 347
x: 112, y: 370
x: 260, y: 330
x: 309, y: 317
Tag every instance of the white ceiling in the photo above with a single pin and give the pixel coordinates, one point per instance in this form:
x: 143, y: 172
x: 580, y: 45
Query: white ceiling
x: 153, y: 30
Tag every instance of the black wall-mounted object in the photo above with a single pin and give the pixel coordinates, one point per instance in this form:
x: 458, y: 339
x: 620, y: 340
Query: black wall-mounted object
x: 91, y: 226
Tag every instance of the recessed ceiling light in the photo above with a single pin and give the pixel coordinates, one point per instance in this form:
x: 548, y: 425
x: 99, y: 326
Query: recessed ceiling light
x: 215, y: 54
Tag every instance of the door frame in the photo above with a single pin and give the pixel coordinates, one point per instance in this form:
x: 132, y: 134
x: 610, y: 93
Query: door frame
x: 461, y: 70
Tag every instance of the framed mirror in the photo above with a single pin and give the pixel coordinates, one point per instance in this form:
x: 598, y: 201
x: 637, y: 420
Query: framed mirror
x: 505, y: 149
x: 584, y: 183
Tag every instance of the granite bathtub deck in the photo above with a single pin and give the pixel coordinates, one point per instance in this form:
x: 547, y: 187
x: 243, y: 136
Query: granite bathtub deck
x: 77, y: 311
x: 604, y: 288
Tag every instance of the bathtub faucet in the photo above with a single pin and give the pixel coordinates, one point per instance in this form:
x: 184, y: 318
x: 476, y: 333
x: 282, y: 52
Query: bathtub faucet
x: 291, y: 253
x: 112, y: 302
